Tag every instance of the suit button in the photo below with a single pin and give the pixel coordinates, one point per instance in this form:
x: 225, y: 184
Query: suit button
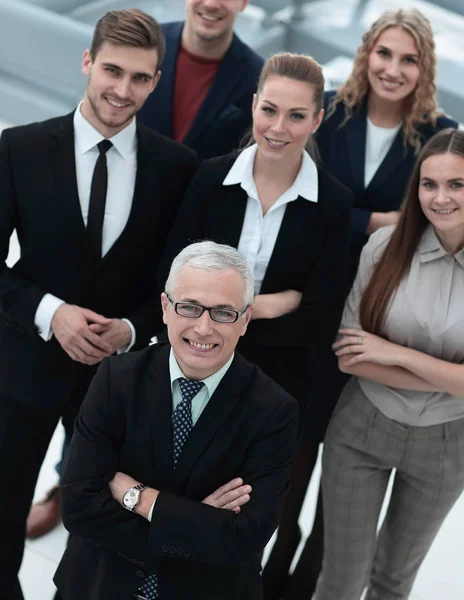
x: 165, y: 548
x: 186, y: 553
x: 134, y: 561
x: 180, y: 551
x: 140, y: 573
x: 141, y: 563
x: 172, y: 549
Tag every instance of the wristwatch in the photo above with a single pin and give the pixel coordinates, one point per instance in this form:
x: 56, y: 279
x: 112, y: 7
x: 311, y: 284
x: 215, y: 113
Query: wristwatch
x: 132, y: 496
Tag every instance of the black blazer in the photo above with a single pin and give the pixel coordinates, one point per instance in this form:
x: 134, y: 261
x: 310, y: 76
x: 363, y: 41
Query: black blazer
x: 342, y: 150
x: 310, y: 255
x: 38, y: 191
x: 225, y: 115
x: 247, y: 429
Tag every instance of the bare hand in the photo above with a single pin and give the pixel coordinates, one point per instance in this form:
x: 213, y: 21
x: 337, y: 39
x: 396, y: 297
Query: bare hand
x: 70, y: 325
x: 117, y: 335
x: 271, y: 306
x: 230, y: 496
x: 366, y: 347
x: 382, y: 219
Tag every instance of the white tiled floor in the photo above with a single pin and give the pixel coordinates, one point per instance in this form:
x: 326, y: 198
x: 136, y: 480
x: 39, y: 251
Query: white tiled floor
x: 441, y: 576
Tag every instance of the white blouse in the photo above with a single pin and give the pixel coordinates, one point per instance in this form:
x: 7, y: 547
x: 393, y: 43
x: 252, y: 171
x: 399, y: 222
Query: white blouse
x: 378, y: 143
x: 259, y: 232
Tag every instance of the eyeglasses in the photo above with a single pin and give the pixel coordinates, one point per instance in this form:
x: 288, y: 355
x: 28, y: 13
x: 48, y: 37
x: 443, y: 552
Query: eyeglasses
x: 193, y: 311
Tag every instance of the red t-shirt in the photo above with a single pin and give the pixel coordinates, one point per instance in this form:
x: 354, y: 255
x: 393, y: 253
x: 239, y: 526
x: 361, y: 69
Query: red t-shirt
x: 194, y: 76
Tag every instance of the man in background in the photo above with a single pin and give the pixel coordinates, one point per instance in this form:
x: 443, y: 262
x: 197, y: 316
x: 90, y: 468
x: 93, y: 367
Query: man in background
x: 209, y: 77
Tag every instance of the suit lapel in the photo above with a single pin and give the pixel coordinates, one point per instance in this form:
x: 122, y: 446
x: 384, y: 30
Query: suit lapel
x: 63, y: 161
x: 226, y: 81
x: 356, y: 130
x: 395, y: 157
x: 146, y: 174
x: 226, y: 397
x: 159, y: 403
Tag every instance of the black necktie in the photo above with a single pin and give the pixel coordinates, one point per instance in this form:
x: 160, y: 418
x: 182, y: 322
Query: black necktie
x: 98, y: 200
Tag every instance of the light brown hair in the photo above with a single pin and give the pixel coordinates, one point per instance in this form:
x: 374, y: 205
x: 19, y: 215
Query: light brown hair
x: 397, y: 256
x: 299, y: 67
x: 131, y: 27
x: 422, y: 105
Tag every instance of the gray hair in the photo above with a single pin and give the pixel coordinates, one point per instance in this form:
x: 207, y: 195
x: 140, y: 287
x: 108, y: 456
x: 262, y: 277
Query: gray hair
x: 209, y: 256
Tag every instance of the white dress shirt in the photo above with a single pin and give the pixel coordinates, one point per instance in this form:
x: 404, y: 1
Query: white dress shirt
x: 122, y: 167
x: 378, y: 143
x: 259, y: 232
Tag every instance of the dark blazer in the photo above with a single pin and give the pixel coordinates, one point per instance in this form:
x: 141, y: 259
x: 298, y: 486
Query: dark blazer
x: 38, y: 191
x: 310, y: 255
x: 342, y: 150
x: 247, y: 429
x: 225, y: 115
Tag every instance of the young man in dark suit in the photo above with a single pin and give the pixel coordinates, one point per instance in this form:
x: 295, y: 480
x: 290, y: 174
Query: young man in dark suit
x: 209, y: 77
x: 92, y: 197
x: 159, y: 430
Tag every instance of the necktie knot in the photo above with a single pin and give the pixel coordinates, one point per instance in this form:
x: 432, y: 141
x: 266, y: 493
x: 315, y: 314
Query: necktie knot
x: 189, y: 388
x: 104, y: 146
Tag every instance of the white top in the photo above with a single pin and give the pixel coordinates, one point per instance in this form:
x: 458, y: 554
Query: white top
x: 378, y: 143
x: 427, y: 314
x: 122, y: 167
x: 259, y: 232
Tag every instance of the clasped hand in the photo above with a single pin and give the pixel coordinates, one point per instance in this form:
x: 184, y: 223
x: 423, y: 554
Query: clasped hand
x: 360, y: 346
x: 86, y: 336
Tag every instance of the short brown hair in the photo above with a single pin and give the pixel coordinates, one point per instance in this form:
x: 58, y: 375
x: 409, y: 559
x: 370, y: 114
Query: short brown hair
x: 131, y: 27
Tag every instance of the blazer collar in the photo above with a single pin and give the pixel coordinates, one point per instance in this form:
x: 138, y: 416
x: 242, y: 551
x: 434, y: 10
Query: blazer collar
x: 356, y: 131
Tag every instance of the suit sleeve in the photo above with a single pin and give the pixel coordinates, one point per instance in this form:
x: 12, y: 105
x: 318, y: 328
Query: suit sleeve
x: 88, y: 508
x: 220, y: 537
x: 318, y: 315
x: 19, y: 297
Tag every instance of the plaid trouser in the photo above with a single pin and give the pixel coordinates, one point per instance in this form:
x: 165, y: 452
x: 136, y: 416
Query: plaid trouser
x: 361, y: 448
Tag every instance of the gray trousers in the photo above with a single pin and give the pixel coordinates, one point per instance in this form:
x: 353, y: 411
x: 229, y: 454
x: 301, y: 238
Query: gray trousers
x: 361, y: 448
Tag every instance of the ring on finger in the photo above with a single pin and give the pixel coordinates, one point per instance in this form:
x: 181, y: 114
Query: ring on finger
x: 360, y: 340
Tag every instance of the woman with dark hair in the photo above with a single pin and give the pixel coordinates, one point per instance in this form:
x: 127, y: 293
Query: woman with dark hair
x: 402, y: 340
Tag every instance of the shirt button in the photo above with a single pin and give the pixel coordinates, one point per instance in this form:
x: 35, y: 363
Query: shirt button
x: 140, y: 573
x: 165, y: 548
x: 141, y: 563
x: 134, y: 561
x: 180, y: 551
x: 172, y: 549
x: 186, y: 553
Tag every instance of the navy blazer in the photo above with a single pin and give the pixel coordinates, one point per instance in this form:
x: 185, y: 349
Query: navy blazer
x: 342, y: 152
x: 225, y: 115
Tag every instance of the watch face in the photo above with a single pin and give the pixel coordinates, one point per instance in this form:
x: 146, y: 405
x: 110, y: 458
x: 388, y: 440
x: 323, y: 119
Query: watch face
x: 130, y: 498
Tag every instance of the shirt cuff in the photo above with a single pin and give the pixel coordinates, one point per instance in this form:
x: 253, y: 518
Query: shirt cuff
x: 132, y: 342
x: 150, y: 514
x: 44, y: 315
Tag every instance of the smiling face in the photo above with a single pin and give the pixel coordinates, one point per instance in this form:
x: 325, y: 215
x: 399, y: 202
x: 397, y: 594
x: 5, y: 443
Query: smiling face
x: 441, y: 195
x: 393, y: 65
x: 202, y: 346
x: 120, y: 79
x: 211, y: 20
x: 284, y: 116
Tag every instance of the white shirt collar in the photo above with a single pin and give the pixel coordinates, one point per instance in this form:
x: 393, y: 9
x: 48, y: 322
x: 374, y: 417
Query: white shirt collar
x: 305, y: 184
x: 210, y: 382
x: 87, y: 137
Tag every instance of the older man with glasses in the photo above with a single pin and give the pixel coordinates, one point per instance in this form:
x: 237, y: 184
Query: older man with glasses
x: 160, y: 432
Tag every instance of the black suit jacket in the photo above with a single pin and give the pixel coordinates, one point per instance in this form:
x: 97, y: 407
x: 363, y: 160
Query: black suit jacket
x: 343, y: 151
x: 39, y: 199
x: 225, y: 115
x: 310, y: 255
x: 247, y: 430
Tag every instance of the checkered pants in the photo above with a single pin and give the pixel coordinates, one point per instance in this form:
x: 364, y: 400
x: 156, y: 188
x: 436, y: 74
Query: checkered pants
x: 361, y: 448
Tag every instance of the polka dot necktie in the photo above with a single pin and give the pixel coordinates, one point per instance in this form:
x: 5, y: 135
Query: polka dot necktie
x: 181, y: 427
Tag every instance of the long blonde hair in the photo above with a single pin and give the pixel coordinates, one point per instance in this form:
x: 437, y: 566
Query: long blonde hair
x: 422, y: 106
